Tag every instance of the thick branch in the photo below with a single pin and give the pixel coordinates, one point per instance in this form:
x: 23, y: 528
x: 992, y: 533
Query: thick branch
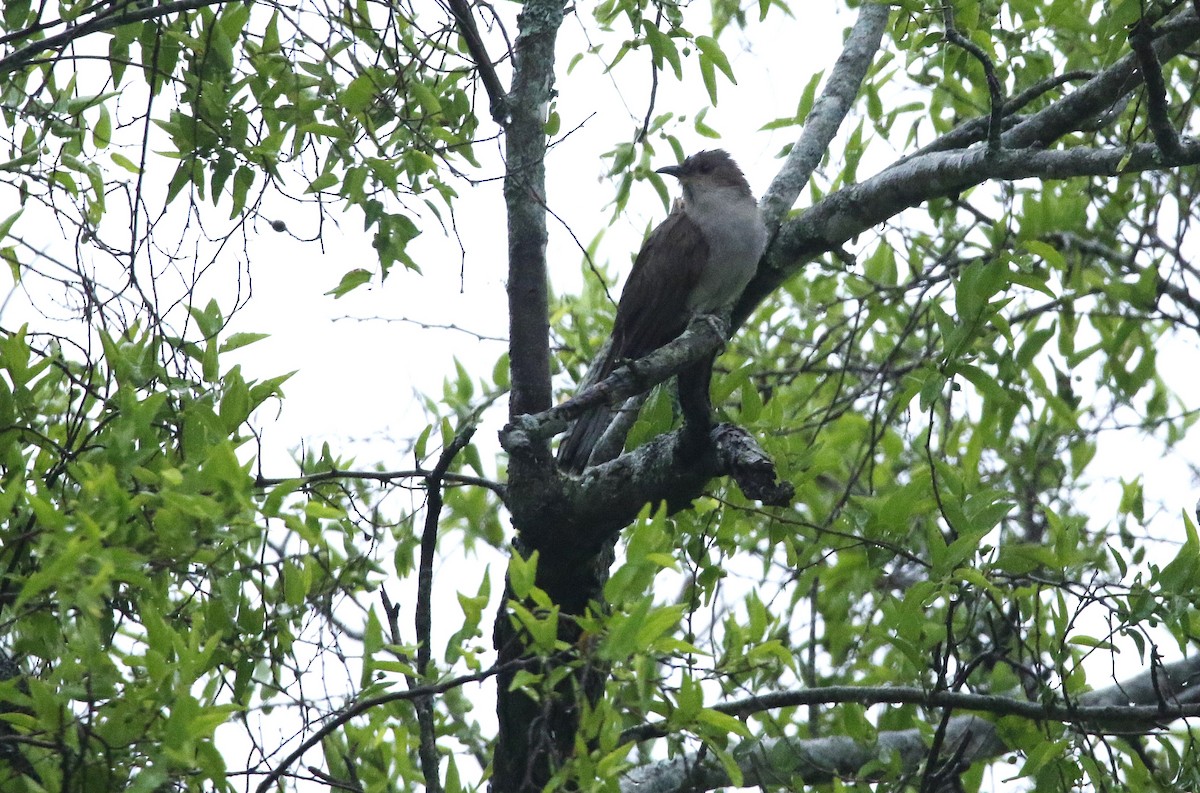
x: 1141, y: 40
x: 827, y: 113
x: 526, y: 749
x: 570, y: 519
x: 858, y: 208
x: 702, y: 338
x: 525, y: 198
x: 914, y: 180
x: 780, y: 762
x: 1145, y: 702
x: 497, y: 99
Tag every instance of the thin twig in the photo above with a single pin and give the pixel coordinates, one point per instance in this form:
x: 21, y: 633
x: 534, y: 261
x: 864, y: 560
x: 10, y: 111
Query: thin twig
x: 335, y: 474
x: 645, y: 131
x: 995, y: 89
x: 424, y: 609
x: 359, y: 708
x: 1141, y: 39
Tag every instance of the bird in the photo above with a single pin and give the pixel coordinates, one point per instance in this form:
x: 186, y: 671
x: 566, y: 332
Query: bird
x: 697, y: 261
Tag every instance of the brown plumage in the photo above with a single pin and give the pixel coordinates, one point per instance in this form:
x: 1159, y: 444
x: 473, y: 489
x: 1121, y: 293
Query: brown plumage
x: 697, y: 261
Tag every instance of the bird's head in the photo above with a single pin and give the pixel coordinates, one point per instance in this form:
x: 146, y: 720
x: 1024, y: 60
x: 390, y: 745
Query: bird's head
x: 708, y: 170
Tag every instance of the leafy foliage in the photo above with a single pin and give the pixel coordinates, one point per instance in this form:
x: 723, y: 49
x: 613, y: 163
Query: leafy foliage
x: 938, y: 390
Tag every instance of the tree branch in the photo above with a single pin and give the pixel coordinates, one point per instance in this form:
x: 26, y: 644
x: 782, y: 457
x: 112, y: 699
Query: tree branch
x: 1158, y: 695
x: 827, y: 114
x: 857, y: 208
x: 497, y: 98
x: 791, y: 249
x: 1097, y: 95
x: 1142, y: 42
x: 524, y: 749
x: 995, y: 90
x: 781, y: 762
x: 112, y: 18
x: 914, y: 180
x: 976, y: 129
x: 356, y: 709
x: 525, y: 198
x: 424, y: 610
x: 701, y: 338
x: 387, y: 477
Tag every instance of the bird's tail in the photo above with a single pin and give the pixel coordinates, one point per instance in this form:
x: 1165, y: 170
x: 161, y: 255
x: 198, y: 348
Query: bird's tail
x: 576, y: 447
x: 599, y: 435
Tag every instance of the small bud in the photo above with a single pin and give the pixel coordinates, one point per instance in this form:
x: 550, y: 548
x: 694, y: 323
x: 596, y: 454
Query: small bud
x: 279, y: 225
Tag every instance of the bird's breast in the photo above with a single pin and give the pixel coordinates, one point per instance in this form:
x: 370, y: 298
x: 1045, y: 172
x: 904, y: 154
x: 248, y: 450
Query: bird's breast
x: 736, y: 239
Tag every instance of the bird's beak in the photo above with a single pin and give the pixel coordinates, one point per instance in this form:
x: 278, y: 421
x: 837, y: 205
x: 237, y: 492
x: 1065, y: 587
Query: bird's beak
x: 672, y: 170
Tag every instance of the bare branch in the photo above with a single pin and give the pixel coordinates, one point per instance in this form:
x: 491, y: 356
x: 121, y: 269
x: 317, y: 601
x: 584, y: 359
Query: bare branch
x: 702, y: 338
x: 424, y: 611
x: 1141, y: 40
x: 386, y: 477
x: 1159, y: 695
x: 827, y: 114
x: 995, y: 90
x: 497, y: 98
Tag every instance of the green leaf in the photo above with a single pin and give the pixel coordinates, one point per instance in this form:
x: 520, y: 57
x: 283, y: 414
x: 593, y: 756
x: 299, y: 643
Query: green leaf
x: 426, y: 98
x: 209, y: 319
x: 102, y: 129
x: 703, y: 129
x: 522, y: 573
x: 350, y: 281
x: 723, y: 722
x: 322, y: 182
x: 359, y: 94
x: 243, y: 180
x: 662, y: 47
x: 238, y: 340
x: 712, y: 52
x: 1181, y: 574
x: 7, y: 224
x: 78, y: 104
x: 709, y: 75
x: 621, y: 641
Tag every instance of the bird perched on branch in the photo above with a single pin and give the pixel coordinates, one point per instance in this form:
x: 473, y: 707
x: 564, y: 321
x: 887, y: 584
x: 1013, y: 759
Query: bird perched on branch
x: 697, y: 261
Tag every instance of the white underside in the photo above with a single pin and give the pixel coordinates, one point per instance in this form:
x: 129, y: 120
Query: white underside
x: 736, y: 239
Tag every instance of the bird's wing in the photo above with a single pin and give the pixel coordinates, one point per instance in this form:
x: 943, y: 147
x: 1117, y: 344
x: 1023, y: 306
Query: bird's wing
x: 653, y: 307
x: 652, y: 311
